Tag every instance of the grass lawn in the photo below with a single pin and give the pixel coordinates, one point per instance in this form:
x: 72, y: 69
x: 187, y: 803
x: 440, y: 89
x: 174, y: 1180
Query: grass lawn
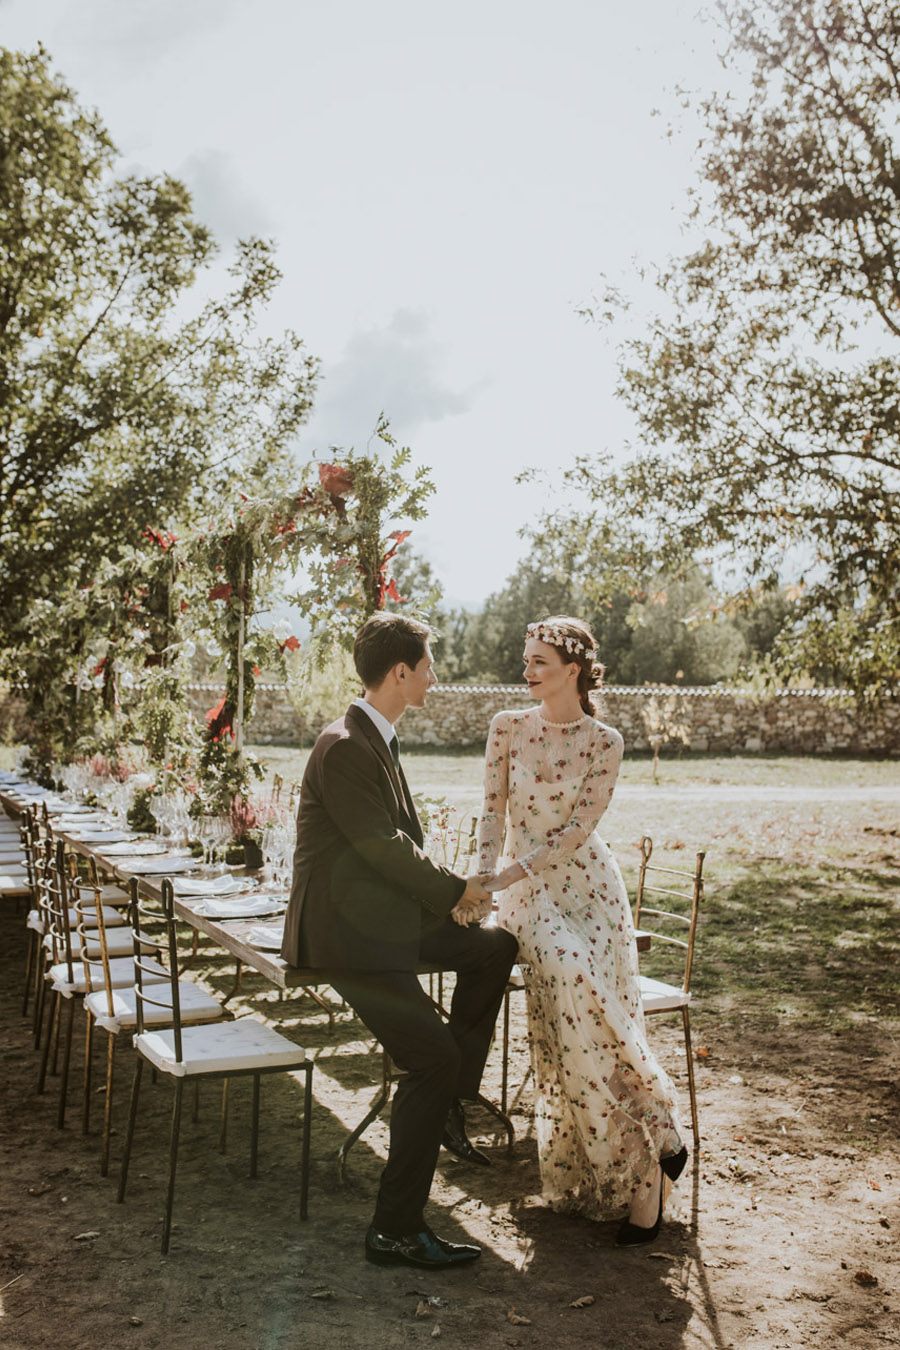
x: 800, y: 922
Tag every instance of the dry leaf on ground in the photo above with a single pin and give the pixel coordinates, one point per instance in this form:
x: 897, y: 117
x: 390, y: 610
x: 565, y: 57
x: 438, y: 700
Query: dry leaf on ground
x: 322, y: 1293
x: 865, y: 1278
x: 584, y: 1302
x: 435, y: 1330
x: 83, y: 1237
x: 517, y: 1320
x: 422, y: 1309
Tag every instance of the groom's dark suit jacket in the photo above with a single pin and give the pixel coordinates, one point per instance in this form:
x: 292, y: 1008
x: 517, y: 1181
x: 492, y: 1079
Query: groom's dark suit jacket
x: 363, y: 891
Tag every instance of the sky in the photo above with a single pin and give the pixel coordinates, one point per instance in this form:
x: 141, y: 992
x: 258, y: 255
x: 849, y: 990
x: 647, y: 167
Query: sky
x: 447, y: 184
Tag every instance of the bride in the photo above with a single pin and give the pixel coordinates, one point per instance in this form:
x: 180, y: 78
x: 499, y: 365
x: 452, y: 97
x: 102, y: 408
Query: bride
x: 606, y: 1117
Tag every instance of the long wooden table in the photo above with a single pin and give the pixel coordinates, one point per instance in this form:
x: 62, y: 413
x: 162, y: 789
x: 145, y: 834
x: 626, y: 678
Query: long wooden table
x: 233, y: 936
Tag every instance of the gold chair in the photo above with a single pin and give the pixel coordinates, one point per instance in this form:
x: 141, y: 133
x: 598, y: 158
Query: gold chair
x: 112, y: 1003
x: 657, y: 996
x: 243, y: 1048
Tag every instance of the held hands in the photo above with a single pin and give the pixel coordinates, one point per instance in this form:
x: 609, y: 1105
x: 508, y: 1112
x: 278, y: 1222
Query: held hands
x: 473, y: 905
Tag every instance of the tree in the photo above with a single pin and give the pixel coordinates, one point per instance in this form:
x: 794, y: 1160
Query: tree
x: 767, y: 393
x: 119, y: 407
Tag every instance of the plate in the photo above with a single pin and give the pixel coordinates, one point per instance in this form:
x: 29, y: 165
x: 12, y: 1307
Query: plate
x: 223, y: 885
x: 155, y: 866
x: 138, y: 848
x: 250, y: 907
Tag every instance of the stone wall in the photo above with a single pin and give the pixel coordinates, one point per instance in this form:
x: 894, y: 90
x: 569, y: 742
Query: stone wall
x: 815, y: 721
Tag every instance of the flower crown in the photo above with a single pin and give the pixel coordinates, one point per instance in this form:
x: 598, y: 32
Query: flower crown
x: 548, y: 632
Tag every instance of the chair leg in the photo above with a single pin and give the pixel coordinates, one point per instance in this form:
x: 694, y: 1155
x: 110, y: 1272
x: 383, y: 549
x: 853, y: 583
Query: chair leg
x: 504, y: 1068
x: 129, y: 1132
x: 54, y: 1063
x: 40, y: 997
x: 254, y: 1127
x: 173, y: 1163
x: 692, y: 1088
x: 307, y: 1135
x: 67, y: 1060
x: 88, y: 1070
x: 111, y: 1040
x: 223, y: 1126
x: 30, y: 959
x: 52, y: 1013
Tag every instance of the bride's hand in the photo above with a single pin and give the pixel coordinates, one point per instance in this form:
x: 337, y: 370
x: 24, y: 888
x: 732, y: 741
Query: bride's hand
x: 500, y: 880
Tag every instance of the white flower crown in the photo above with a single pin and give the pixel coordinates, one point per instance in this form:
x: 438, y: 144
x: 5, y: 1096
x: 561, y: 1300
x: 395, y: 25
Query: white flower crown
x: 547, y: 632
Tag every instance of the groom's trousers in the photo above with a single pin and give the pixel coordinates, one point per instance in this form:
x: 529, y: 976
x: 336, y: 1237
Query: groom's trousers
x: 441, y: 1060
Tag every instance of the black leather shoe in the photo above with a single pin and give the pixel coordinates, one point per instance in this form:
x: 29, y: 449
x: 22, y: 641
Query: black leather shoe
x: 423, y: 1249
x: 456, y: 1141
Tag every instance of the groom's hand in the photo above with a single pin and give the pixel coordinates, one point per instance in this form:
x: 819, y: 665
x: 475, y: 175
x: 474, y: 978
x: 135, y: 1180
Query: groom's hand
x: 473, y: 905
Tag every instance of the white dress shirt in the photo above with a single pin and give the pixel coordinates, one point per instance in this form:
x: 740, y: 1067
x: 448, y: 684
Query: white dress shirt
x: 385, y: 727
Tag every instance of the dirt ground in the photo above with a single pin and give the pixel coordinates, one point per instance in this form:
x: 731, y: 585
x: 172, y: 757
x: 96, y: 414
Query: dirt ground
x: 784, y: 1234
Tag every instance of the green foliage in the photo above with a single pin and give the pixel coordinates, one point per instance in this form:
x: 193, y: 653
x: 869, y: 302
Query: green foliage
x: 767, y: 391
x: 321, y: 690
x: 124, y: 403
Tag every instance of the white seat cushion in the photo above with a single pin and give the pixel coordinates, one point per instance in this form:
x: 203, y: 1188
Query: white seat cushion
x: 118, y: 943
x: 112, y: 918
x: 225, y: 1047
x: 195, y: 1003
x: 657, y: 996
x: 110, y: 893
x: 121, y: 975
x: 516, y: 978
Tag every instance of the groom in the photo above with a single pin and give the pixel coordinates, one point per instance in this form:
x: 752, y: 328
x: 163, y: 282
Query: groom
x: 369, y: 906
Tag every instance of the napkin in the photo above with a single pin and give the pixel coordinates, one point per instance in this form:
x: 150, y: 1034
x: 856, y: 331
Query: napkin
x: 240, y: 908
x: 137, y: 847
x: 223, y: 885
x: 267, y: 936
x: 162, y: 867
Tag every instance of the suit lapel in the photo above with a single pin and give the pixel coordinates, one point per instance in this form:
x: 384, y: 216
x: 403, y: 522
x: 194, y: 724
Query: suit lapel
x: 398, y: 779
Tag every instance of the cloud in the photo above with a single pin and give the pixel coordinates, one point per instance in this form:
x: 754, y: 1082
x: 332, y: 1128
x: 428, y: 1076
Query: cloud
x: 220, y: 200
x: 395, y: 369
x: 140, y: 31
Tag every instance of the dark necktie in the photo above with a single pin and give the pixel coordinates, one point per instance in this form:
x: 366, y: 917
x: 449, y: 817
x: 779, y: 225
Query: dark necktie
x: 394, y: 747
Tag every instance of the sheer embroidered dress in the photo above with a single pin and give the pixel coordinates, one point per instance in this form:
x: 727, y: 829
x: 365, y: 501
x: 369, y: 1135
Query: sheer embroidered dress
x: 604, y: 1109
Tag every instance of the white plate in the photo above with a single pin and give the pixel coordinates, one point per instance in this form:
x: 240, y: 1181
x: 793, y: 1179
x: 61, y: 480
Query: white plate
x: 102, y: 836
x: 162, y: 867
x: 250, y: 908
x: 223, y: 885
x: 268, y: 937
x: 138, y: 848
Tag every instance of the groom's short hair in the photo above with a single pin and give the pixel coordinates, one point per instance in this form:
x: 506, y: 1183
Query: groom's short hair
x: 384, y: 641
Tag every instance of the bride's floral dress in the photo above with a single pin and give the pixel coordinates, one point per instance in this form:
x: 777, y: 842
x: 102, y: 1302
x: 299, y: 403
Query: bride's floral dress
x: 604, y: 1110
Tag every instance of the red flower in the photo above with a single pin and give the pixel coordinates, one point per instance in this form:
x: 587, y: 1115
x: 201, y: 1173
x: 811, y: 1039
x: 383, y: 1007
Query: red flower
x: 220, y: 719
x: 291, y: 644
x: 400, y: 535
x: 99, y: 666
x: 163, y: 538
x: 256, y: 670
x: 392, y: 593
x: 221, y: 592
x: 335, y: 479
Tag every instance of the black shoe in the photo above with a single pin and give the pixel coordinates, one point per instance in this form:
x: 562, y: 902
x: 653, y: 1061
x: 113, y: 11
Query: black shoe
x: 423, y: 1249
x: 455, y: 1139
x: 631, y: 1234
x: 674, y: 1165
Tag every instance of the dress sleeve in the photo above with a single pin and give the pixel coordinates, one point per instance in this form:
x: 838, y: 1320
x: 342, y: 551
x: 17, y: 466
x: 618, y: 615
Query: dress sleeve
x: 492, y: 822
x: 596, y: 794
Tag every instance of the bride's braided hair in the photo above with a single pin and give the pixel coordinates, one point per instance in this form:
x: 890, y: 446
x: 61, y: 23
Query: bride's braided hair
x: 576, y: 644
